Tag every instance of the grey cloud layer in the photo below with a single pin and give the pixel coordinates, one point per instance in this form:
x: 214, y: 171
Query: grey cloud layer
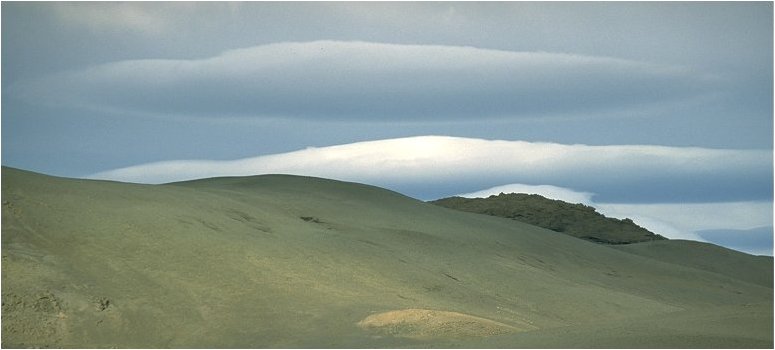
x: 425, y: 167
x: 360, y: 80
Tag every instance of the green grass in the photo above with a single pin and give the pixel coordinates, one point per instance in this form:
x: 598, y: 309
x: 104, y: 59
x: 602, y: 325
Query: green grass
x: 708, y: 257
x: 287, y: 261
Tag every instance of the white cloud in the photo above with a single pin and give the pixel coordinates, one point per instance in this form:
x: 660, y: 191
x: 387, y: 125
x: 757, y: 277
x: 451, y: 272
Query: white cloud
x: 366, y: 81
x: 659, y: 226
x: 699, y: 216
x: 100, y: 16
x: 686, y: 220
x: 672, y: 220
x: 429, y: 166
x: 440, y: 166
x: 548, y: 191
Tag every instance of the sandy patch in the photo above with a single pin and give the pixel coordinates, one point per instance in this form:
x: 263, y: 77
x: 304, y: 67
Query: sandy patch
x: 423, y: 323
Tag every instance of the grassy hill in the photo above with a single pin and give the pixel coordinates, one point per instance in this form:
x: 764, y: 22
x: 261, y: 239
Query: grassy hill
x: 708, y: 257
x: 577, y: 220
x: 288, y: 261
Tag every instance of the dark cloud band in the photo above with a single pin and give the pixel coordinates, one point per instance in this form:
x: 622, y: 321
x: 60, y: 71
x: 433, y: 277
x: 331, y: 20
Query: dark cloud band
x: 366, y: 81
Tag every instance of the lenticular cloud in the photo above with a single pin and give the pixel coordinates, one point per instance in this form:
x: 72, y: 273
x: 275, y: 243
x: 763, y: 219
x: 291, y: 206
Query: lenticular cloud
x: 366, y: 81
x: 429, y: 167
x: 548, y: 191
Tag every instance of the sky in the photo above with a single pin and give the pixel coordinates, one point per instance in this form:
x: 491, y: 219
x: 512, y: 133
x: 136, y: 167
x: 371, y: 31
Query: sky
x: 661, y: 112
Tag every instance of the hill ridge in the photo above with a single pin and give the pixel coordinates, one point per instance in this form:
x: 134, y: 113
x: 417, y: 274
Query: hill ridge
x: 291, y: 262
x: 577, y: 220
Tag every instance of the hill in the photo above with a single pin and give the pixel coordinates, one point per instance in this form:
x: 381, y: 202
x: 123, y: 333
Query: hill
x: 577, y: 220
x: 708, y: 257
x: 288, y: 261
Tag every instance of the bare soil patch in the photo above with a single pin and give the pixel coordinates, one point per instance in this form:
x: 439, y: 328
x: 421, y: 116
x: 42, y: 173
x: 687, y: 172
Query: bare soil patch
x: 423, y: 324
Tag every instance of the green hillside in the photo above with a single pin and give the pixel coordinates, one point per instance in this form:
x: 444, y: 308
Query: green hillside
x: 286, y: 261
x: 577, y: 220
x: 708, y: 257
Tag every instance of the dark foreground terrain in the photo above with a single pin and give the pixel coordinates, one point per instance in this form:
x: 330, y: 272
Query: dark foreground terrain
x: 286, y: 261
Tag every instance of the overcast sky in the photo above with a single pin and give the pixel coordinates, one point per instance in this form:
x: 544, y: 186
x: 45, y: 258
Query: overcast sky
x: 658, y: 111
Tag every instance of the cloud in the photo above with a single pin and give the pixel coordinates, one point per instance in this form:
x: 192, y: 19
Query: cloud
x: 120, y: 16
x: 548, y: 191
x: 693, y: 220
x: 756, y: 241
x: 429, y: 167
x: 739, y: 215
x: 744, y: 226
x: 365, y: 81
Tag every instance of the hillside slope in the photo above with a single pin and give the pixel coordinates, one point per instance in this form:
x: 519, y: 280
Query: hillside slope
x: 577, y: 220
x: 287, y: 261
x: 708, y: 257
